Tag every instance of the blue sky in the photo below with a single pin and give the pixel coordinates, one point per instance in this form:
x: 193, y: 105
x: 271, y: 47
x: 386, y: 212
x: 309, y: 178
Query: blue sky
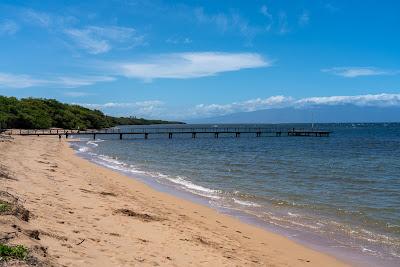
x: 193, y: 59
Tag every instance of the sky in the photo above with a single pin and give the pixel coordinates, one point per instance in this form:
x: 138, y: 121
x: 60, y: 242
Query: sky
x: 193, y: 59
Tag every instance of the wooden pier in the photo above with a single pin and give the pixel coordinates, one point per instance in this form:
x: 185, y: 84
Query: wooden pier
x: 216, y: 132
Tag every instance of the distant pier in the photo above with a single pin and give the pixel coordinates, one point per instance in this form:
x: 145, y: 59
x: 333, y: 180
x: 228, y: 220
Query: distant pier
x: 216, y: 132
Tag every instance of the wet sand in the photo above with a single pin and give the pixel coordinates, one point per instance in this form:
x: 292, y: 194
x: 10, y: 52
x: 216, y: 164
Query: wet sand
x: 86, y: 215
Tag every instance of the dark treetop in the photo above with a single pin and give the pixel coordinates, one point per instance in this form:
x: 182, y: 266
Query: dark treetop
x: 37, y: 113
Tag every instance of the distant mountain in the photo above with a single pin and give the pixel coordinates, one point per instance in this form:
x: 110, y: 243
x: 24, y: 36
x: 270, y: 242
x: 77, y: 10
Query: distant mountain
x: 327, y: 114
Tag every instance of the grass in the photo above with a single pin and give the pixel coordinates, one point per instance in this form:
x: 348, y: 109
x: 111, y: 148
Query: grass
x: 4, y: 207
x: 13, y: 252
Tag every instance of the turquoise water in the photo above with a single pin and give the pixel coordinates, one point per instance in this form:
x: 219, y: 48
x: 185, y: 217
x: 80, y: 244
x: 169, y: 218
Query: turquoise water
x: 340, y: 194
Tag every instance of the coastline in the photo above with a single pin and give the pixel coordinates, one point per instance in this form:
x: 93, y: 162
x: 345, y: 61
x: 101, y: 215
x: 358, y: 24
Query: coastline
x: 124, y: 222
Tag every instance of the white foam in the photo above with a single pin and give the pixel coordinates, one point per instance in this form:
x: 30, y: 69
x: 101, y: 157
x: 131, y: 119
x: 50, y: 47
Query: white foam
x: 369, y: 251
x: 83, y: 149
x: 246, y: 203
x: 204, y: 195
x: 110, y: 160
x: 388, y: 225
x: 115, y: 164
x: 188, y: 184
x: 94, y: 142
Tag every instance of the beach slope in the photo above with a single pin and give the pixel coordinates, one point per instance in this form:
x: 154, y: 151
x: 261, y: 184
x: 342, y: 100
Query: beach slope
x: 85, y: 215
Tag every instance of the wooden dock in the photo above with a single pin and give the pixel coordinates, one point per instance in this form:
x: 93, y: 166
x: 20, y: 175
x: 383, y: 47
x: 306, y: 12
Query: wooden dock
x: 216, y: 132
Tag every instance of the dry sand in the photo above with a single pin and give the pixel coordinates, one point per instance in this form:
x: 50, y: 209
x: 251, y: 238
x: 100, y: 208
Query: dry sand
x: 87, y: 215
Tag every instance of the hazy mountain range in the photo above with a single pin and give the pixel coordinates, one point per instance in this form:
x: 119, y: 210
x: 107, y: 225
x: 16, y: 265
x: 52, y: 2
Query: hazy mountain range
x: 325, y: 113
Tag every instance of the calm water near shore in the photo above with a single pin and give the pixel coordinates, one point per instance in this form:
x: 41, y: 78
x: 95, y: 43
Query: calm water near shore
x: 340, y: 193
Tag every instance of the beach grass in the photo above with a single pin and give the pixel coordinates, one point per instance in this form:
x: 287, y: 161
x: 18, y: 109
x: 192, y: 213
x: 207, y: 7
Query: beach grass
x: 4, y: 207
x: 13, y: 252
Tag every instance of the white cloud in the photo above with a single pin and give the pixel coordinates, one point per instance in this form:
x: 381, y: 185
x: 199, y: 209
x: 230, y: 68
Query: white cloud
x: 282, y: 23
x: 19, y: 81
x: 79, y: 81
x: 304, y: 18
x: 86, y: 41
x: 93, y: 39
x: 331, y: 8
x: 97, y: 40
x: 177, y: 40
x: 352, y: 72
x: 190, y: 65
x: 359, y: 100
x: 150, y: 108
x: 8, y: 80
x: 158, y: 109
x: 8, y: 27
x: 228, y: 22
x: 38, y: 18
x: 177, y: 66
x: 381, y: 100
x: 75, y: 94
x: 221, y: 20
x: 245, y: 106
x: 265, y: 12
x: 142, y: 104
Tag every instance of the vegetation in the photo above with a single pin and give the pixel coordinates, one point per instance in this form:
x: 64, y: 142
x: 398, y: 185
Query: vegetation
x: 37, y: 113
x: 4, y: 207
x: 13, y: 252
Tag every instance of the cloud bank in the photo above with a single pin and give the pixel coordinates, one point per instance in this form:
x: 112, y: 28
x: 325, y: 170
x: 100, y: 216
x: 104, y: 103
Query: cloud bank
x: 159, y: 109
x: 380, y: 100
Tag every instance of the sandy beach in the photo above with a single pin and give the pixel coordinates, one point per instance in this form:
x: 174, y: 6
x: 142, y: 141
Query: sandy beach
x: 75, y: 213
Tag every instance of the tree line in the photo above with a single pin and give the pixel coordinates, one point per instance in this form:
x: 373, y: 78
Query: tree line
x: 39, y: 113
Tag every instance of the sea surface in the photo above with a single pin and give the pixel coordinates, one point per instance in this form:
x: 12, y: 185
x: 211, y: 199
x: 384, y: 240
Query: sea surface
x: 339, y: 194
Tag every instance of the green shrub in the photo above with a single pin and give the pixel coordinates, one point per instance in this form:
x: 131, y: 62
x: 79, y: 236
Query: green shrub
x: 13, y: 252
x: 4, y: 207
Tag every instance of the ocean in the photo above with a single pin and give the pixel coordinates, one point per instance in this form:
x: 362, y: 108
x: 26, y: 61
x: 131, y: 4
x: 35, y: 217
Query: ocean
x: 338, y: 194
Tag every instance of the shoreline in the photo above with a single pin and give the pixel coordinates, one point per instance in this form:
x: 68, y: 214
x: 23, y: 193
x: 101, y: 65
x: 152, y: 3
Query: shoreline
x: 308, y: 239
x: 125, y: 222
